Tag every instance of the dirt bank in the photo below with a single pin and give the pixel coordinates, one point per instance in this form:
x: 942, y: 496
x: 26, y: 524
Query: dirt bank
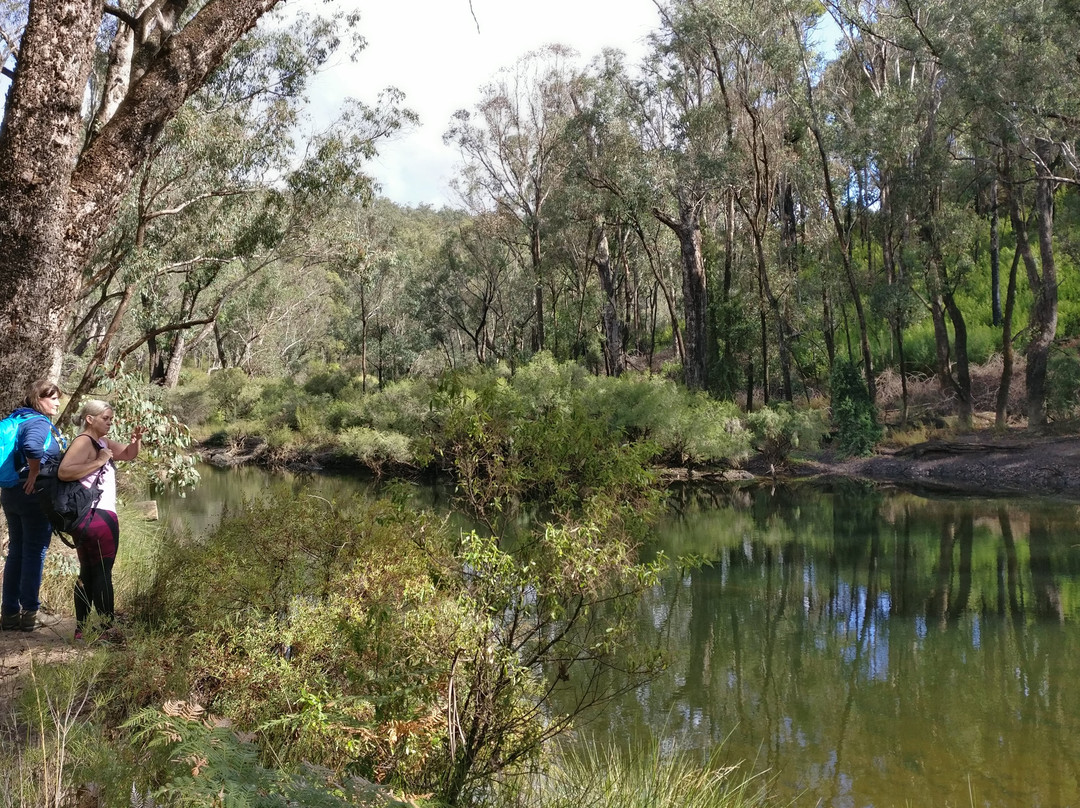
x: 1015, y: 464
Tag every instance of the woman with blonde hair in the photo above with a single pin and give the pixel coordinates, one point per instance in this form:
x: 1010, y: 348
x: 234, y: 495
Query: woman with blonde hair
x: 91, y: 461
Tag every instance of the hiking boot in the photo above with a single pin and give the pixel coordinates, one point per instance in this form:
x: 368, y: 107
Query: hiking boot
x: 9, y: 621
x: 28, y: 621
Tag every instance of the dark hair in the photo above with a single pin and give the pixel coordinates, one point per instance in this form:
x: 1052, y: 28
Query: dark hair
x: 42, y: 388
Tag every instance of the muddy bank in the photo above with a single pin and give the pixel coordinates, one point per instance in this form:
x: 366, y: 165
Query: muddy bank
x: 977, y: 464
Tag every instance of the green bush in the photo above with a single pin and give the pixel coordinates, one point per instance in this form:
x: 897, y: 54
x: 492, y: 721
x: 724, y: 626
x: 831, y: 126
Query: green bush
x: 404, y: 407
x: 335, y: 633
x: 1063, y: 386
x: 225, y: 389
x: 342, y: 415
x: 376, y: 449
x: 853, y: 413
x: 545, y: 446
x: 782, y: 429
x: 330, y: 382
x: 689, y: 427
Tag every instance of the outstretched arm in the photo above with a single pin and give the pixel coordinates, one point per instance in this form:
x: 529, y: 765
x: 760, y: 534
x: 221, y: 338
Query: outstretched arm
x: 131, y: 451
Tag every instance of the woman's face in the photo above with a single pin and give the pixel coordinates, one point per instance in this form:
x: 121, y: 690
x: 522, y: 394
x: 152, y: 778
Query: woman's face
x: 100, y: 424
x: 49, y: 405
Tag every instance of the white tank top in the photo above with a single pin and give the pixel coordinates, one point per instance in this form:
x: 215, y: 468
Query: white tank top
x: 107, y: 500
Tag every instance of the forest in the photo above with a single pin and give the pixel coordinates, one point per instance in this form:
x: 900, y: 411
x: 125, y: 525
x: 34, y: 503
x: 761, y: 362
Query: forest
x: 738, y: 211
x: 791, y: 221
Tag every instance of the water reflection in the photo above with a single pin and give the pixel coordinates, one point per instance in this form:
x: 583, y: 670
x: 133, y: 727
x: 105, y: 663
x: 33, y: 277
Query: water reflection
x: 224, y: 490
x: 871, y: 649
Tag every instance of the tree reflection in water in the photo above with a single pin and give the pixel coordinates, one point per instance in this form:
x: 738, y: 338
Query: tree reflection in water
x: 870, y: 648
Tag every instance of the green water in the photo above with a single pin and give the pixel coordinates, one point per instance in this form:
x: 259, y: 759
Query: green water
x: 866, y: 648
x: 872, y: 649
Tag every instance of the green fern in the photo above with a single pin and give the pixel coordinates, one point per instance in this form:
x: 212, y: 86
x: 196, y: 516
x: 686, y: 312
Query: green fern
x: 207, y: 764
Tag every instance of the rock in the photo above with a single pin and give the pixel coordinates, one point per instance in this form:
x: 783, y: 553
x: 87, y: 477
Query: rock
x: 147, y: 509
x: 738, y: 475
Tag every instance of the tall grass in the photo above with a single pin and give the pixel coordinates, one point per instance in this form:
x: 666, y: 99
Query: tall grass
x: 654, y: 775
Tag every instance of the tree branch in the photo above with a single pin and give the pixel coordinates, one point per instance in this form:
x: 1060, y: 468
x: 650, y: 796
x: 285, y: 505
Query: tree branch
x: 123, y: 16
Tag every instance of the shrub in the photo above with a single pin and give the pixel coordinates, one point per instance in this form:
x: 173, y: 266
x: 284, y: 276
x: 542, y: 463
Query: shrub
x: 342, y: 415
x: 376, y: 449
x: 225, y: 389
x: 544, y: 384
x: 1063, y: 386
x: 328, y: 382
x: 696, y: 429
x: 853, y: 412
x: 404, y: 407
x: 778, y: 431
x: 339, y: 634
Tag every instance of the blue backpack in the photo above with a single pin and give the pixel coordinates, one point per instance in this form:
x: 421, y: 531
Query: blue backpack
x: 11, y: 460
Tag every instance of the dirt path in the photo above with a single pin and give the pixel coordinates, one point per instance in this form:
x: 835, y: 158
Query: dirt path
x: 21, y: 650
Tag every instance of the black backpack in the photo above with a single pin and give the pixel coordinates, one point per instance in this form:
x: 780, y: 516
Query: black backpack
x: 68, y: 504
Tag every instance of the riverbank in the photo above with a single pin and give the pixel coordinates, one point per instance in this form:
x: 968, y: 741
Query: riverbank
x: 1017, y: 463
x: 1014, y: 463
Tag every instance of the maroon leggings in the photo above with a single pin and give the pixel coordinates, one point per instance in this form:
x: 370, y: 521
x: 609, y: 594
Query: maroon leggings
x: 98, y: 543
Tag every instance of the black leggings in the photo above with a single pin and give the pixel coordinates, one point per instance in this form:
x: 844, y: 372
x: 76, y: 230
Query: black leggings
x: 97, y: 552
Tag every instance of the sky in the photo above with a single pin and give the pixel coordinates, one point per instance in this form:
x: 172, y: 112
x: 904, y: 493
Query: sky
x: 440, y: 57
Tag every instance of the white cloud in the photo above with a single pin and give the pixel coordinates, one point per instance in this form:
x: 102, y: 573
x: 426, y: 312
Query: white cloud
x: 440, y: 57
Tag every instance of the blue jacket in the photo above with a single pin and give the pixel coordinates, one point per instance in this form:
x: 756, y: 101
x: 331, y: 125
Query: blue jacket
x: 37, y: 439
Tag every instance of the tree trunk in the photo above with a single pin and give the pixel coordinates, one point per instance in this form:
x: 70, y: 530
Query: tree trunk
x: 59, y: 195
x: 963, y: 371
x: 176, y: 361
x: 695, y: 296
x: 669, y: 301
x: 1044, y: 309
x: 538, y: 290
x: 828, y: 326
x: 842, y: 238
x: 893, y: 278
x: 614, y: 355
x: 995, y: 256
x: 1001, y: 414
x: 39, y: 141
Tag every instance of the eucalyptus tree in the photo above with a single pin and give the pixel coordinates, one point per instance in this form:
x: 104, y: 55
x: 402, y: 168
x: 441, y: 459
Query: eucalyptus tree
x: 683, y: 126
x: 514, y: 153
x: 753, y: 46
x: 1018, y: 68
x: 871, y: 101
x: 901, y: 119
x: 222, y: 195
x: 378, y: 255
x: 613, y: 192
x: 477, y: 292
x: 281, y: 321
x: 819, y: 120
x: 64, y: 168
x: 599, y: 140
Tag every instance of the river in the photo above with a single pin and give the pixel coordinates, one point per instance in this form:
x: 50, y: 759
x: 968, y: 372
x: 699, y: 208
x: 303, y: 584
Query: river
x: 866, y: 647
